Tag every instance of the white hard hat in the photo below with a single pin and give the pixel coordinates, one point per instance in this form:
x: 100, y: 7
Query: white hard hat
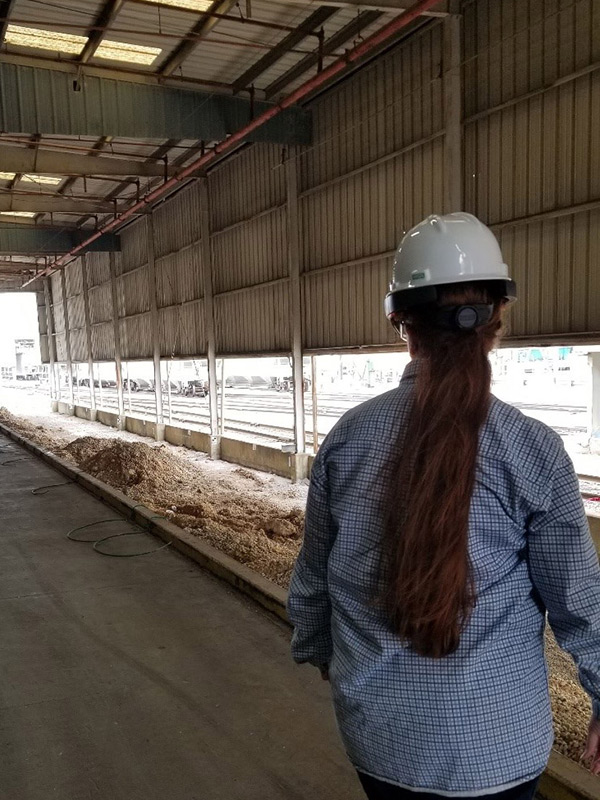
x: 443, y: 250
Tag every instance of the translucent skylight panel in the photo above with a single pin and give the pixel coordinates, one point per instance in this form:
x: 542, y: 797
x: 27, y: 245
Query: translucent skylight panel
x: 18, y: 213
x: 130, y: 53
x: 7, y: 176
x: 191, y: 5
x: 42, y: 180
x: 70, y: 43
x: 40, y: 39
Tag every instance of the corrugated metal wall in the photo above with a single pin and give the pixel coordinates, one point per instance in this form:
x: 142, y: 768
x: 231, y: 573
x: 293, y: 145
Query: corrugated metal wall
x: 530, y: 168
x: 532, y: 107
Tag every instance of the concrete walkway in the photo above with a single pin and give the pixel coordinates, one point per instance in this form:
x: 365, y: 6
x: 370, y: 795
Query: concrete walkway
x: 143, y: 678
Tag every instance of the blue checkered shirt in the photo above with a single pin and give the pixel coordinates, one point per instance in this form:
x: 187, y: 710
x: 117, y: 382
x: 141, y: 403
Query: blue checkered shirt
x: 481, y: 717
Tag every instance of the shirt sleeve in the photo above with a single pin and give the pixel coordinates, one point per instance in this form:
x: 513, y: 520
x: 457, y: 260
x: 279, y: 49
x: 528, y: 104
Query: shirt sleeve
x: 564, y: 568
x: 309, y: 606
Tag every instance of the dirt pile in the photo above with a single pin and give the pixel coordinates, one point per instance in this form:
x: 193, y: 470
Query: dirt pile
x: 35, y: 433
x: 251, y: 529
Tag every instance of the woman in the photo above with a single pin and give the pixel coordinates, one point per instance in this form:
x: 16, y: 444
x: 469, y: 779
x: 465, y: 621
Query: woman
x: 441, y: 526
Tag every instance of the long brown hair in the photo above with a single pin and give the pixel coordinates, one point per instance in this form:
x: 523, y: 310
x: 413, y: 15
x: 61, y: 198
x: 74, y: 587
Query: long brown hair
x: 429, y: 589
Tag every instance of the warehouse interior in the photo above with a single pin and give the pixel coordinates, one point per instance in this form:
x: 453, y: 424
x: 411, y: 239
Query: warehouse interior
x: 207, y: 180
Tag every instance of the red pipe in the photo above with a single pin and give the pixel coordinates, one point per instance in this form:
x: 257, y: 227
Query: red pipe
x: 378, y: 38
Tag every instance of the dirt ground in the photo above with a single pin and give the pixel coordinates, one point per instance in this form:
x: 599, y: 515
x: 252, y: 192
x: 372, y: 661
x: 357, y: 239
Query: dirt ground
x: 254, y: 517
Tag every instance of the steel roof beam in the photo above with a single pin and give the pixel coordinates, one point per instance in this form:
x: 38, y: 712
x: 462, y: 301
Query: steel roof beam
x: 336, y: 41
x: 120, y: 73
x: 200, y: 31
x: 396, y: 6
x: 57, y: 204
x: 103, y: 107
x: 310, y: 24
x: 105, y: 18
x: 52, y: 162
x: 18, y: 239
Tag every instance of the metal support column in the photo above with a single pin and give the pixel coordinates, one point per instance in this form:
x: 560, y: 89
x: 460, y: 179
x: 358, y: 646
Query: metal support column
x: 299, y: 470
x: 209, y: 319
x: 160, y: 418
x: 51, y: 345
x: 88, y: 337
x: 63, y: 286
x: 594, y: 409
x: 118, y: 363
x: 315, y: 407
x: 452, y: 88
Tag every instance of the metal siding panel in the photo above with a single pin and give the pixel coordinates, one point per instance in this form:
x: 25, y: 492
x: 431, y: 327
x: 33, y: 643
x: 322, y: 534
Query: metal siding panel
x: 76, y: 312
x: 136, y: 336
x: 253, y: 321
x: 98, y: 268
x: 246, y: 185
x: 179, y: 277
x: 78, y: 345
x: 100, y: 303
x: 181, y: 330
x: 343, y: 307
x: 386, y: 106
x: 132, y: 292
x: 177, y: 221
x: 103, y: 341
x: 251, y: 253
x: 518, y: 46
x: 134, y: 248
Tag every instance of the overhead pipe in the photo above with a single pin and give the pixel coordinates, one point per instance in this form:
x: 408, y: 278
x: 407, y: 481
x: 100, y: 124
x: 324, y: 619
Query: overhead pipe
x: 374, y: 41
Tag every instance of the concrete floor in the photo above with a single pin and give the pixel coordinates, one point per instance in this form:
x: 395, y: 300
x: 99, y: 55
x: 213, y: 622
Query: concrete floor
x: 127, y: 678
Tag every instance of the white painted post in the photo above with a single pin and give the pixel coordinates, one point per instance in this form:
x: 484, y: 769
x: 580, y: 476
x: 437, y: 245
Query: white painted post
x: 315, y: 407
x: 128, y: 386
x: 160, y: 418
x: 117, y: 333
x: 300, y: 464
x: 63, y: 286
x: 209, y: 320
x: 88, y: 335
x: 594, y: 408
x: 222, y: 414
x: 169, y: 394
x: 54, y: 392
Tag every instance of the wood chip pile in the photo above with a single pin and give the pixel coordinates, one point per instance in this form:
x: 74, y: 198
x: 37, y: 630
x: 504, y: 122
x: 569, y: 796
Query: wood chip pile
x: 251, y: 529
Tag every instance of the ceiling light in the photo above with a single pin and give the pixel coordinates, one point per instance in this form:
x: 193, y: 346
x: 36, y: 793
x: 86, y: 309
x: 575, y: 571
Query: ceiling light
x: 190, y: 5
x: 131, y: 53
x: 41, y: 180
x: 18, y: 213
x: 44, y: 40
x: 7, y: 176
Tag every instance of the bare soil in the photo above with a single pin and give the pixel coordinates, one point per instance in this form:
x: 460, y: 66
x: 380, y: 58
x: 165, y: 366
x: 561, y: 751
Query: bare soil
x: 253, y: 517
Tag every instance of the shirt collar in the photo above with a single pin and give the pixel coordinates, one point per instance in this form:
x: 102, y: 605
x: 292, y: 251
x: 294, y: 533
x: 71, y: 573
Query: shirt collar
x: 410, y: 371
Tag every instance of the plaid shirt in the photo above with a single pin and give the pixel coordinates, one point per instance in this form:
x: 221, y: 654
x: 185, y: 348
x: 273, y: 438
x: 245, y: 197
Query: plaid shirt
x: 480, y: 718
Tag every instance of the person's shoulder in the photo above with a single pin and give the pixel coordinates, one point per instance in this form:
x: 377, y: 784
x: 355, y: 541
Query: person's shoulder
x: 511, y: 432
x: 371, y: 418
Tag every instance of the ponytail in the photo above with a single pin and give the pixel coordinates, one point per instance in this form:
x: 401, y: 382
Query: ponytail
x: 429, y: 590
